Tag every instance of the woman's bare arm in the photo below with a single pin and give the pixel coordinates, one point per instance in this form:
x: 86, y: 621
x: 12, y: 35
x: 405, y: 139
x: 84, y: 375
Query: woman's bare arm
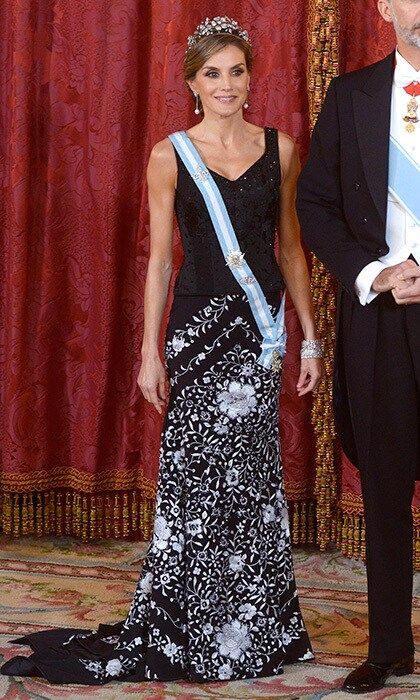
x: 161, y: 181
x: 292, y: 259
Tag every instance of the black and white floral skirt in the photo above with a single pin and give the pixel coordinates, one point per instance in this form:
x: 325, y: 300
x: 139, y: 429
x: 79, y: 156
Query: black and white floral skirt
x: 217, y: 598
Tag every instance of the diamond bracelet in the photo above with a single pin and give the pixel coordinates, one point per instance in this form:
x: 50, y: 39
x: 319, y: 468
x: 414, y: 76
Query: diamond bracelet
x: 311, y: 349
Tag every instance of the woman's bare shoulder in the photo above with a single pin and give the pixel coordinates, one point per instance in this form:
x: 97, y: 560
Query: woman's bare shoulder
x: 163, y: 153
x: 286, y: 144
x: 162, y: 161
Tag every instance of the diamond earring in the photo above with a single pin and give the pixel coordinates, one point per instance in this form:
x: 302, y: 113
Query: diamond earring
x: 246, y: 105
x: 197, y: 108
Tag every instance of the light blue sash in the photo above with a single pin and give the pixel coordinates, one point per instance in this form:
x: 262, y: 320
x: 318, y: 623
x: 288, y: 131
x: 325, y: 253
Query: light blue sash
x: 272, y: 329
x: 404, y: 179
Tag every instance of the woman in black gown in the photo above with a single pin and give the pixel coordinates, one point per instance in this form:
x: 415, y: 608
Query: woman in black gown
x: 216, y: 598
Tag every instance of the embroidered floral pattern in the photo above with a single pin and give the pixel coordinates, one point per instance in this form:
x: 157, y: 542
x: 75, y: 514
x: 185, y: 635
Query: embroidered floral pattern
x: 216, y: 599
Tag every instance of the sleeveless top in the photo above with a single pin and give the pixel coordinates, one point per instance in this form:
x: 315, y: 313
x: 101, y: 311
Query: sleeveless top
x: 252, y: 201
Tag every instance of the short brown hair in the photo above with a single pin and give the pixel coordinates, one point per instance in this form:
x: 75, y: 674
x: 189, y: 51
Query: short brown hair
x: 205, y: 47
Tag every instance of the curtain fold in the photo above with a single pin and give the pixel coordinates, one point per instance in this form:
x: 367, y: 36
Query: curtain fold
x: 86, y: 92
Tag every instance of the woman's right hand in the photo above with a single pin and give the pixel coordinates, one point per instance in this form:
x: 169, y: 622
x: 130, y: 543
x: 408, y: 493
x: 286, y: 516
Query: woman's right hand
x: 152, y: 381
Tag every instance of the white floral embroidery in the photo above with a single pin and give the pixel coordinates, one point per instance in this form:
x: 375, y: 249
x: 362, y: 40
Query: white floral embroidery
x: 238, y: 400
x: 178, y: 344
x: 236, y: 562
x: 162, y: 532
x: 145, y: 583
x: 233, y: 640
x: 232, y: 477
x: 268, y: 513
x: 307, y: 656
x: 247, y: 611
x: 217, y: 592
x: 193, y: 527
x: 225, y: 672
x: 113, y: 667
x: 170, y: 649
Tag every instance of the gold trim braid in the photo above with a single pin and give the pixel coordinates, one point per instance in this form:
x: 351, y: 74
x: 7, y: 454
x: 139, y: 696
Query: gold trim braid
x: 322, y: 67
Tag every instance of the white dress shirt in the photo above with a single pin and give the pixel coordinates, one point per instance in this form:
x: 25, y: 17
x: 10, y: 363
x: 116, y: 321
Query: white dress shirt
x: 402, y: 232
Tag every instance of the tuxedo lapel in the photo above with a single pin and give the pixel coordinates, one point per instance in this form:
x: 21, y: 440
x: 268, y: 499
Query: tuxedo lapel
x: 372, y: 115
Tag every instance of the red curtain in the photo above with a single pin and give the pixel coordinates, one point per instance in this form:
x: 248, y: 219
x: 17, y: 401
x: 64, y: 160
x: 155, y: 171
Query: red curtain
x: 86, y: 90
x: 363, y: 27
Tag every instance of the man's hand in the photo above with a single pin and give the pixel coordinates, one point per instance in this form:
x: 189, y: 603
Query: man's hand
x: 390, y: 278
x: 407, y: 290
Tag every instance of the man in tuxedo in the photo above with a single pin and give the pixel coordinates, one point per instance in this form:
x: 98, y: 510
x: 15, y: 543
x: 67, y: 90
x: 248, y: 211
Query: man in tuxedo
x: 359, y: 209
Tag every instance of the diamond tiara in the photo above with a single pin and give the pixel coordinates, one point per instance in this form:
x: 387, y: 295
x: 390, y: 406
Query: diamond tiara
x: 217, y: 25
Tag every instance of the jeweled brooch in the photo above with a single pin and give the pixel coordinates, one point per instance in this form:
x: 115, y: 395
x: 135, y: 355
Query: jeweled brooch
x: 235, y: 258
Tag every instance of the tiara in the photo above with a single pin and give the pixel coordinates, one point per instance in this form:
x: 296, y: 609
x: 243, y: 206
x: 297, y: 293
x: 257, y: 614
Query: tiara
x: 217, y: 25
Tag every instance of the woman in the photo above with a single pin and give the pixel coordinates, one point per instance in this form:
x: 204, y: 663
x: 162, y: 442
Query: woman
x: 216, y: 598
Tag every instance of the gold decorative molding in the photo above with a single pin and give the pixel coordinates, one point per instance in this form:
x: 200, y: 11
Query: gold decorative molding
x: 77, y: 480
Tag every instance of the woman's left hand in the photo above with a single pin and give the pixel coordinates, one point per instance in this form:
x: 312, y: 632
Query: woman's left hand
x: 311, y: 372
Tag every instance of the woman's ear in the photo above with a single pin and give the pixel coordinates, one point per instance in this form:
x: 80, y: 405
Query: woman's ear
x: 190, y: 84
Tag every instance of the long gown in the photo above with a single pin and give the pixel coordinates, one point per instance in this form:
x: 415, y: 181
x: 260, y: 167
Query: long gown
x: 216, y: 599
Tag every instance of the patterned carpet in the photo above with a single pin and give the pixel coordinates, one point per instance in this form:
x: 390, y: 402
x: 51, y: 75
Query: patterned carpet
x: 47, y: 583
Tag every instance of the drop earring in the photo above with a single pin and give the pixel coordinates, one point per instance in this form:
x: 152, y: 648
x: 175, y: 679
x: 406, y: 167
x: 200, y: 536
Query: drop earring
x: 197, y: 108
x: 246, y: 105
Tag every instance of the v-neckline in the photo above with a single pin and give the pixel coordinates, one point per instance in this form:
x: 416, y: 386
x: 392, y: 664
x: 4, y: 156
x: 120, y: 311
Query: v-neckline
x: 214, y: 172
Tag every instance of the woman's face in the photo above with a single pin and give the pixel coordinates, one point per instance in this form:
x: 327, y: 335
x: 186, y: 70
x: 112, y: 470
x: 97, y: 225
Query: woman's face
x: 223, y: 82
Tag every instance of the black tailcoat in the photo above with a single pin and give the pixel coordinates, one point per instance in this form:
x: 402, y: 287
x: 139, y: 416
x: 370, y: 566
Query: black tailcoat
x: 342, y: 207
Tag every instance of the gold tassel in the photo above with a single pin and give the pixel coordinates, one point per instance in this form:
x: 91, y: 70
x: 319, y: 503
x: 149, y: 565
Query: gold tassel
x: 31, y: 514
x: 311, y: 534
x: 38, y: 515
x: 46, y: 514
x: 107, y: 517
x: 53, y: 523
x: 295, y: 523
x: 25, y: 518
x: 68, y: 514
x: 303, y: 524
x: 126, y: 516
x: 99, y: 517
x: 350, y: 536
x: 117, y: 516
x: 16, y: 515
x: 59, y: 515
x: 93, y: 517
x: 323, y: 23
x: 85, y: 518
x: 7, y: 514
x: 134, y: 514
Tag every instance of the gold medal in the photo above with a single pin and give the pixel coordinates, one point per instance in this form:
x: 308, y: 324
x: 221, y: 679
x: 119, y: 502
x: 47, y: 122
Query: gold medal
x: 411, y: 118
x: 276, y: 362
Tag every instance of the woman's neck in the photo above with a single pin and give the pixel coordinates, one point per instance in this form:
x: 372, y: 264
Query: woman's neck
x: 225, y: 130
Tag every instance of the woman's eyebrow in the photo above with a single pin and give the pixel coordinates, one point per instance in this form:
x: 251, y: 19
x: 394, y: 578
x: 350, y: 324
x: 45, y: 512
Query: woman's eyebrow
x: 238, y: 65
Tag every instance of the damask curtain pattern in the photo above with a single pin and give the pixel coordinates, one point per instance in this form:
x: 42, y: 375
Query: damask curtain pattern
x: 87, y: 89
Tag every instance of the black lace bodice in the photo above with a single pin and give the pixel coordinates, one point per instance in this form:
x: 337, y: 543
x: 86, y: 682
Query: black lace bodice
x: 252, y: 202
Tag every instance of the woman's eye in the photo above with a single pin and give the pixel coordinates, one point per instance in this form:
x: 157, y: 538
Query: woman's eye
x: 212, y: 74
x: 238, y: 71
